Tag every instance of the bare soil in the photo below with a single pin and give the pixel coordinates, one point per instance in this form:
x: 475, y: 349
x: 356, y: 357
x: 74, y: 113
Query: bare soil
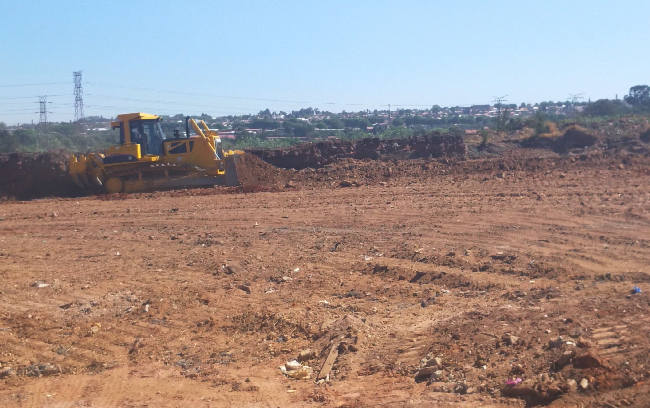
x: 437, y: 281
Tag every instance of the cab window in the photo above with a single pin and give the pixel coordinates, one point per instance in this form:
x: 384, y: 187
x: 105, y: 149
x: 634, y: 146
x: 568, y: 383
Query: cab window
x: 148, y: 134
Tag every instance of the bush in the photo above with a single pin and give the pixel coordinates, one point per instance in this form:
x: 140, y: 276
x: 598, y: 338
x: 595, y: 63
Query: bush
x: 606, y: 107
x: 645, y: 136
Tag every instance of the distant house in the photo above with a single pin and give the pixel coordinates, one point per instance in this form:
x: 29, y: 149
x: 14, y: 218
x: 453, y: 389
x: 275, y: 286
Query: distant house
x: 228, y: 134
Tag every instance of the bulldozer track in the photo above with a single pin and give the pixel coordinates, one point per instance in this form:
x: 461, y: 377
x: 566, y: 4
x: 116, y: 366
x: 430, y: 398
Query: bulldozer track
x: 611, y: 340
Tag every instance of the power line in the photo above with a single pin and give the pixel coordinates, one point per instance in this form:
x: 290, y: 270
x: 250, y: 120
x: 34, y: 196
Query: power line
x: 28, y: 97
x: 33, y: 84
x: 498, y: 101
x: 575, y: 98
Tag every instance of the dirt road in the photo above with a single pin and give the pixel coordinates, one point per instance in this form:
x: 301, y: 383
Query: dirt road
x: 461, y: 280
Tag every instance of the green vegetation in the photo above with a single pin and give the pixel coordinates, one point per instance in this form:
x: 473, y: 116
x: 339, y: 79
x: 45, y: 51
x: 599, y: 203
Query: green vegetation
x: 56, y: 136
x: 254, y: 141
x: 607, y: 107
x: 268, y: 129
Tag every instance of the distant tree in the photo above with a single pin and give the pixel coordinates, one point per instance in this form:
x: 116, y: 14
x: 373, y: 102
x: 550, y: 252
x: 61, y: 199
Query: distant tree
x: 264, y: 124
x: 266, y: 113
x: 456, y: 131
x: 303, y: 113
x: 639, y: 96
x: 20, y: 140
x: 334, y: 123
x: 606, y: 107
x: 398, y: 122
x: 360, y: 123
x: 539, y: 123
x: 297, y: 128
x: 7, y: 141
x: 484, y: 138
x: 514, y: 124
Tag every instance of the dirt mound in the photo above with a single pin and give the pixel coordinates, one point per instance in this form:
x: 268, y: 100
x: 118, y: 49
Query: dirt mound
x: 645, y: 136
x: 575, y: 137
x: 254, y: 173
x: 25, y: 176
x: 319, y: 154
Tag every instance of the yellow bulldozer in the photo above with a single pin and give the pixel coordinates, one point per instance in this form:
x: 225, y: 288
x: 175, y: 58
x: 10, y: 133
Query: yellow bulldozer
x: 145, y: 160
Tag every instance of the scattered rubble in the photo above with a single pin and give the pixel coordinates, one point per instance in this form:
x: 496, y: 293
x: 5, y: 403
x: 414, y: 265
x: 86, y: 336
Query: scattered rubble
x: 293, y: 369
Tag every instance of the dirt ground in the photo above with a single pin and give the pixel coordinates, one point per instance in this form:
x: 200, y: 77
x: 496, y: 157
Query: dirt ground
x: 436, y: 284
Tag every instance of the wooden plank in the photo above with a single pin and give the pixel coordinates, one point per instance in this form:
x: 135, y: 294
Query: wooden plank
x: 329, y: 361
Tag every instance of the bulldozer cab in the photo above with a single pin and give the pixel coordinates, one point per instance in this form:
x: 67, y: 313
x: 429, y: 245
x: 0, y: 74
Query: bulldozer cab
x: 143, y: 130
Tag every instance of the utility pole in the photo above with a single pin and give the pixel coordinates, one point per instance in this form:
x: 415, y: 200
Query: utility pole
x: 498, y: 102
x: 42, y: 120
x: 42, y: 111
x: 575, y: 98
x: 78, y: 96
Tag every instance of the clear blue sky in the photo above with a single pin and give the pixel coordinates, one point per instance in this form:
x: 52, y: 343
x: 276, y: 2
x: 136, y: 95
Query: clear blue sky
x: 243, y: 56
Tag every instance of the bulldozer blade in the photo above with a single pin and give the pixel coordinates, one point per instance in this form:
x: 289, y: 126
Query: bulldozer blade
x: 231, y: 170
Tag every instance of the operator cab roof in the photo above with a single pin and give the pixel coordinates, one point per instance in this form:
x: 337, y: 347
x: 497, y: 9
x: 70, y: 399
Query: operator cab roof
x: 138, y: 115
x: 125, y: 117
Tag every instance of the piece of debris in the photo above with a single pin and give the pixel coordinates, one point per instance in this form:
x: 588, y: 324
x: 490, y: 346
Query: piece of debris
x: 572, y: 384
x: 293, y: 369
x: 245, y: 288
x: 231, y: 268
x: 417, y: 276
x: 6, y: 372
x: 556, y: 342
x: 292, y: 365
x: 42, y: 370
x: 306, y: 354
x: 424, y: 374
x: 564, y: 359
x: 636, y: 290
x: 428, y: 302
x: 513, y: 381
x: 438, y: 386
x: 584, y: 383
x: 353, y: 294
x: 40, y: 284
x: 324, y: 373
x: 517, y: 369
